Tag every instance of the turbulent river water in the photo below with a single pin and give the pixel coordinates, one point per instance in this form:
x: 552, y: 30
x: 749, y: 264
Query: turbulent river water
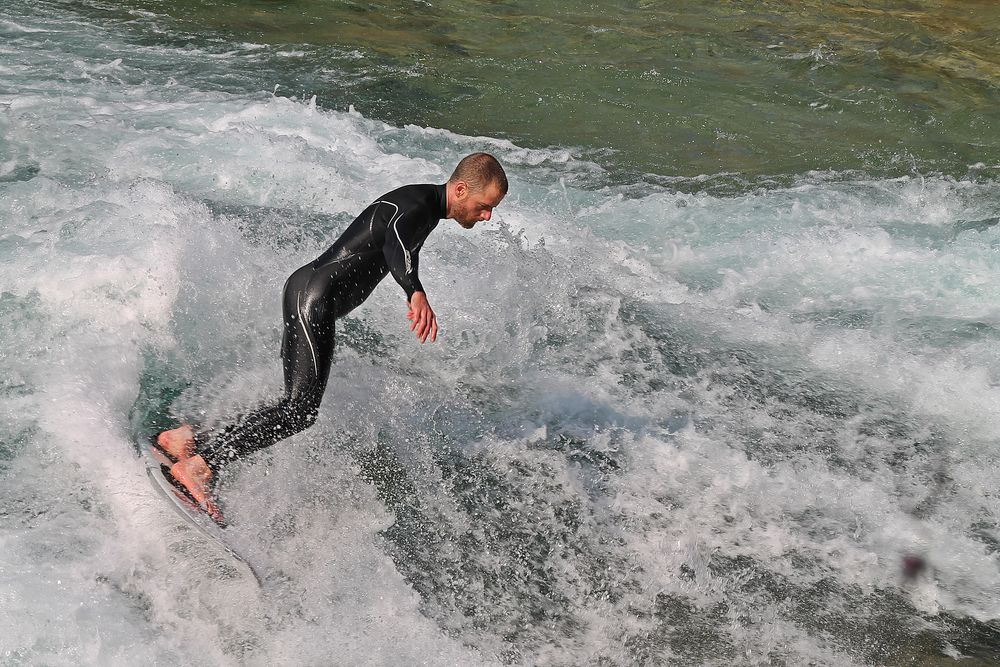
x: 722, y: 371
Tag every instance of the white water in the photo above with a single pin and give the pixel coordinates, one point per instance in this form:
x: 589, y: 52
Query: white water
x: 658, y: 427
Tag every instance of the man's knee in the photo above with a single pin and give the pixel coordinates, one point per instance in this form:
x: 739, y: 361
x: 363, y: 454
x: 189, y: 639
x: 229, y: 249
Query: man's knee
x: 303, y: 411
x: 308, y: 417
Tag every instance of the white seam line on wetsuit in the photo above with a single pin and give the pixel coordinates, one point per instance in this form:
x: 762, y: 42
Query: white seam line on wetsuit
x: 371, y: 223
x: 392, y: 221
x: 406, y: 252
x: 302, y: 322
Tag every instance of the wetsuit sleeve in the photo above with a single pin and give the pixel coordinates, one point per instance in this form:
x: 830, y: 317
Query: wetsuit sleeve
x: 403, y: 239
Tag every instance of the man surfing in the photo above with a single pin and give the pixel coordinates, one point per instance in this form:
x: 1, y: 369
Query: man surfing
x: 385, y: 238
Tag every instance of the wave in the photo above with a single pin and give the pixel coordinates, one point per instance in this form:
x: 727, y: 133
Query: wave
x: 664, y: 422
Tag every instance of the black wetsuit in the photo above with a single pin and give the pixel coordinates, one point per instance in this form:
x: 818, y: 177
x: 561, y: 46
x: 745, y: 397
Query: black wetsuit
x: 385, y: 238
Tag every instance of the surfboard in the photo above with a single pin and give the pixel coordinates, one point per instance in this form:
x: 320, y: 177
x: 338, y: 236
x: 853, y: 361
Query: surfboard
x: 149, y: 416
x: 157, y: 467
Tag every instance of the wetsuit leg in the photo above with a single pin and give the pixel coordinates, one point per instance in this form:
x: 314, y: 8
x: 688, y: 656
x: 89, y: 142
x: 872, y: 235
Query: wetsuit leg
x: 309, y: 309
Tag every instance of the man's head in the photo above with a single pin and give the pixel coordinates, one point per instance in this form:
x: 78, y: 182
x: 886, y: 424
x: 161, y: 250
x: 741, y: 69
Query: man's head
x: 475, y: 189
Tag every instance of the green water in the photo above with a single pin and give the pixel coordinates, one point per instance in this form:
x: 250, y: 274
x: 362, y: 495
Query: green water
x: 665, y: 88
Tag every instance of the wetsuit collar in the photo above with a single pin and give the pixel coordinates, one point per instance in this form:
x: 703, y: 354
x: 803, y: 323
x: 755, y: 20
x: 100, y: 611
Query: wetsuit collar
x: 442, y: 193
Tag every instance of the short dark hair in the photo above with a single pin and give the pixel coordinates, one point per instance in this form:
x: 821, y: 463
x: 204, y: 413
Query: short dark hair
x: 479, y: 170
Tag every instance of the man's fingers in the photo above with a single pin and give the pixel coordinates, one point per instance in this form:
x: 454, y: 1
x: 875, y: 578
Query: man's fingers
x: 425, y: 326
x: 422, y: 322
x: 430, y: 329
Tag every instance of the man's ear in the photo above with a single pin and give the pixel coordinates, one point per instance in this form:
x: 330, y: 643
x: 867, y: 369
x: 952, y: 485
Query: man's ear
x: 461, y: 189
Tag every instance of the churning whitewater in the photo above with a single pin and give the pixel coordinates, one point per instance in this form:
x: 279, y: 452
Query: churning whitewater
x: 662, y: 425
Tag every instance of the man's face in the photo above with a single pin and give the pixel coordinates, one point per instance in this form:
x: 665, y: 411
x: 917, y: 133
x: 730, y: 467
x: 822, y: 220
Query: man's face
x: 473, y: 206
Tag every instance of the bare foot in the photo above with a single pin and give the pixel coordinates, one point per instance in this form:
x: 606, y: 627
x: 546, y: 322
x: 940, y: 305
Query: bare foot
x: 195, y: 475
x: 178, y: 442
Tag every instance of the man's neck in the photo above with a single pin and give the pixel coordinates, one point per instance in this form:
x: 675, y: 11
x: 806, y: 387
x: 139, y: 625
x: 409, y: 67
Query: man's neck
x: 449, y: 197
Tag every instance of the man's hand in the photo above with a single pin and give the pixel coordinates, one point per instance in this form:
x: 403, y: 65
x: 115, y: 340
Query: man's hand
x: 422, y: 318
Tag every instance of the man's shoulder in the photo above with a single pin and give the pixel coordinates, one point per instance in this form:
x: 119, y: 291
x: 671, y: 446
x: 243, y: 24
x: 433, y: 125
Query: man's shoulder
x: 424, y: 201
x: 416, y: 193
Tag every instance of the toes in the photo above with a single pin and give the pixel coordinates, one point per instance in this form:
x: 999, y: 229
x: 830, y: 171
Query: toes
x: 213, y: 512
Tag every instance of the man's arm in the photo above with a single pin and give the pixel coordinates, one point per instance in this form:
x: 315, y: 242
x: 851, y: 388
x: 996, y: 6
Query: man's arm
x: 403, y: 239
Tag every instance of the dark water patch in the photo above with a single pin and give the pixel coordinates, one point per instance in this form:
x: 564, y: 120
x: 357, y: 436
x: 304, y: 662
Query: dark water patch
x: 974, y: 225
x: 31, y: 503
x: 693, y: 633
x: 21, y: 172
x: 874, y: 627
x: 978, y: 642
x: 22, y: 317
x: 369, y: 342
x: 128, y: 589
x: 160, y: 384
x: 507, y: 550
x: 935, y: 331
x: 583, y: 453
x: 289, y: 229
x: 988, y: 533
x: 936, y: 236
x: 845, y: 318
x: 13, y: 443
x: 947, y: 332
